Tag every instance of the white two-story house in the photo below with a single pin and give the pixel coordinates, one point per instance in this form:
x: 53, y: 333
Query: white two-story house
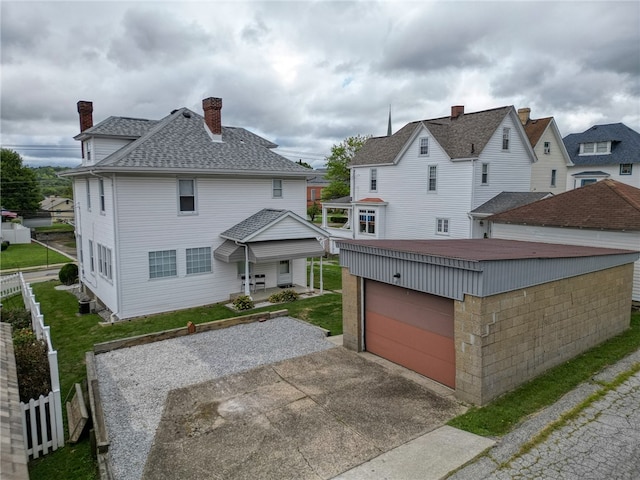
x: 423, y: 181
x: 171, y: 213
x: 604, y: 151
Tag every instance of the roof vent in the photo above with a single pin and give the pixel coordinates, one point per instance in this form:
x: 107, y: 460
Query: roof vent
x: 186, y: 114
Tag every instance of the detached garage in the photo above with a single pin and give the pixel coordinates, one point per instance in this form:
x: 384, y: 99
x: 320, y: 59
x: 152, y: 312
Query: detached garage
x: 482, y: 316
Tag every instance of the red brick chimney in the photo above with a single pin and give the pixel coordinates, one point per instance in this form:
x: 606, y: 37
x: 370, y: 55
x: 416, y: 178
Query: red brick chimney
x: 212, y: 117
x: 457, y: 110
x: 85, y: 109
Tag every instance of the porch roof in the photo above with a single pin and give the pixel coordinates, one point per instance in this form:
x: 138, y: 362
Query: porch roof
x: 269, y: 251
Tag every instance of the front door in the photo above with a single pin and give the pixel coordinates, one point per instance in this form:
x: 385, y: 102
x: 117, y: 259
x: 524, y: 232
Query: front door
x: 285, y: 278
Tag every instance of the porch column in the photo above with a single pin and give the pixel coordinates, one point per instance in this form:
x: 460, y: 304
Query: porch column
x: 324, y: 216
x: 247, y: 279
x: 311, y: 278
x: 321, y: 282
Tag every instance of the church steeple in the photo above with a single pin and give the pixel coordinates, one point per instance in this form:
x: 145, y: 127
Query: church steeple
x: 389, y: 125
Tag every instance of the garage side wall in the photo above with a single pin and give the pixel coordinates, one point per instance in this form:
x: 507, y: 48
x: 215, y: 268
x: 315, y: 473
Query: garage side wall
x: 505, y: 340
x: 351, y: 311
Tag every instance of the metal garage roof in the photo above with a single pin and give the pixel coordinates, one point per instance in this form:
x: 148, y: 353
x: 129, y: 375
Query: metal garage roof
x: 480, y: 267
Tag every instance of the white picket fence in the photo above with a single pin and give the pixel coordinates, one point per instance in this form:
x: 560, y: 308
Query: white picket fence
x: 42, y: 418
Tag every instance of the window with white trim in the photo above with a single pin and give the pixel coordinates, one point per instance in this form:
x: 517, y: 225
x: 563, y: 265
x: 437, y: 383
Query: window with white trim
x: 104, y: 262
x: 626, y: 168
x: 186, y: 195
x: 277, y: 188
x: 424, y: 146
x: 442, y: 226
x: 198, y: 260
x: 88, y: 195
x: 367, y: 219
x: 554, y: 175
x: 506, y: 136
x: 595, y: 148
x: 101, y: 191
x: 79, y: 243
x: 485, y: 174
x: 92, y: 264
x: 313, y: 194
x: 373, y: 179
x: 433, y: 178
x: 162, y: 264
x: 547, y: 148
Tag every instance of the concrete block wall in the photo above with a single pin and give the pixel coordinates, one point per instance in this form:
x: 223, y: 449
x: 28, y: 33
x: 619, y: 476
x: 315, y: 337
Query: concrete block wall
x: 505, y: 340
x: 351, y: 311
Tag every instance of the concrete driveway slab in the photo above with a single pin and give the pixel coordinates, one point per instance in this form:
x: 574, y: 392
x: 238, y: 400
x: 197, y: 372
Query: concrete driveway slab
x: 311, y: 417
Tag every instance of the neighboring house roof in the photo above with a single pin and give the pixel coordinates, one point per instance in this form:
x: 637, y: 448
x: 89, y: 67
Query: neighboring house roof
x: 258, y: 222
x: 604, y: 205
x: 181, y: 142
x: 340, y: 200
x: 464, y: 136
x: 50, y: 203
x: 320, y: 179
x: 507, y: 200
x: 625, y: 145
x: 535, y: 127
x: 593, y: 173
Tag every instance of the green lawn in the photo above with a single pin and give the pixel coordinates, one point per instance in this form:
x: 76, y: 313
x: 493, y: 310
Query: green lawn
x: 55, y: 228
x: 331, y: 274
x: 29, y: 255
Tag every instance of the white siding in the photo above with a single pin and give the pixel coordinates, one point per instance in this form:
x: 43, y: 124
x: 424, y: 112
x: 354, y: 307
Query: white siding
x: 509, y: 170
x: 574, y: 236
x: 555, y: 160
x: 612, y: 170
x: 148, y: 220
x: 103, y: 147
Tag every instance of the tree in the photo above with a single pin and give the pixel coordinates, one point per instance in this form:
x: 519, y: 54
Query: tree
x: 313, y: 210
x: 19, y: 189
x: 338, y: 166
x: 304, y: 164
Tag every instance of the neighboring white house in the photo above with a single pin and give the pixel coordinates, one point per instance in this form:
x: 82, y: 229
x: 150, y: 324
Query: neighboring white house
x: 604, y: 151
x: 549, y: 173
x: 158, y: 203
x: 604, y: 214
x: 423, y: 181
x: 61, y: 208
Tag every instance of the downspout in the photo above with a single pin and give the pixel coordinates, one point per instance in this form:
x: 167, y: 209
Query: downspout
x: 473, y: 194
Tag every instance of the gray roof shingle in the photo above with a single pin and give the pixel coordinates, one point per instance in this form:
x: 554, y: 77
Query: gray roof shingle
x: 625, y: 147
x: 461, y: 137
x: 252, y: 224
x: 182, y: 141
x: 507, y: 200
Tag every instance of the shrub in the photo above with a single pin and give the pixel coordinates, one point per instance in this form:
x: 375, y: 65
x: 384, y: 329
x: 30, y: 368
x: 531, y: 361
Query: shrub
x: 338, y: 219
x: 4, y: 245
x: 284, y: 296
x: 18, y: 317
x: 69, y: 274
x: 243, y: 302
x: 32, y: 365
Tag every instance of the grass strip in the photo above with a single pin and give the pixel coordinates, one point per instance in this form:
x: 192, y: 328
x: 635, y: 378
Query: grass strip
x: 500, y: 416
x: 24, y: 255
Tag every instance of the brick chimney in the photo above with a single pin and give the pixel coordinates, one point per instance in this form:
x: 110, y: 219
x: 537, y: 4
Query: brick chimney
x: 457, y: 110
x: 85, y: 109
x: 524, y: 114
x: 212, y: 117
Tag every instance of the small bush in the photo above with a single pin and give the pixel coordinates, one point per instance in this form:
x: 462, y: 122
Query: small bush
x: 18, y: 318
x: 68, y: 274
x: 338, y: 219
x: 284, y: 296
x: 4, y: 245
x: 243, y: 302
x: 32, y: 365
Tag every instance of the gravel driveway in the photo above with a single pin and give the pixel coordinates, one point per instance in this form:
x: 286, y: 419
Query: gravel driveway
x: 134, y: 382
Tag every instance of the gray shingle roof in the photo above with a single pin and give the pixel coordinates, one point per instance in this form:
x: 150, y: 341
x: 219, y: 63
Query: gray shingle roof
x: 461, y: 137
x: 252, y: 224
x: 120, y: 127
x: 625, y: 147
x: 507, y: 200
x: 182, y: 141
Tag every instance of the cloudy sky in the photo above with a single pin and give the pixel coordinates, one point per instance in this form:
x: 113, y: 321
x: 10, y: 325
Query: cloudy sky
x: 308, y: 74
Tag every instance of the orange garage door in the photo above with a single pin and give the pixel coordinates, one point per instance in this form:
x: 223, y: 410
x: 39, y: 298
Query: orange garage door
x: 412, y: 329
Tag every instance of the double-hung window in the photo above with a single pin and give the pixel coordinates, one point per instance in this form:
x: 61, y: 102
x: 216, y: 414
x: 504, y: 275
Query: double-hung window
x: 92, y: 264
x: 424, y: 146
x: 367, y: 221
x: 554, y: 175
x: 595, y: 148
x: 373, y: 180
x: 626, y: 168
x: 547, y: 148
x: 506, y: 134
x: 485, y: 174
x: 101, y: 191
x: 187, y: 195
x: 162, y: 264
x: 88, y: 195
x: 442, y: 226
x: 276, y: 187
x: 104, y: 262
x: 433, y: 178
x: 198, y: 260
